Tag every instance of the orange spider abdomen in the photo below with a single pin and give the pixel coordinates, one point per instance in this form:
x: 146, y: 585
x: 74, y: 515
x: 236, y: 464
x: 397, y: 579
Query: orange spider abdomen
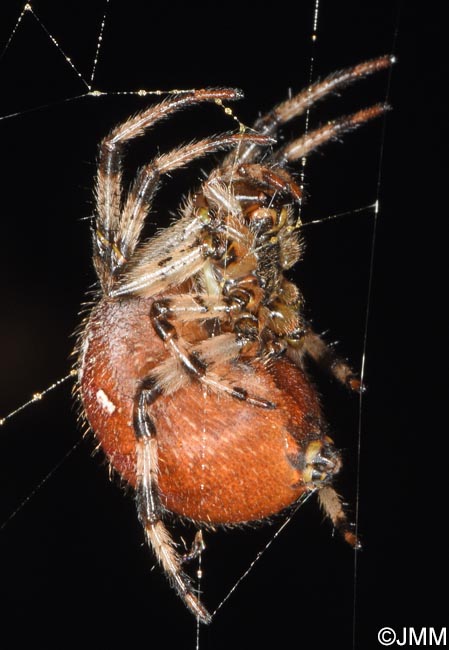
x: 221, y: 460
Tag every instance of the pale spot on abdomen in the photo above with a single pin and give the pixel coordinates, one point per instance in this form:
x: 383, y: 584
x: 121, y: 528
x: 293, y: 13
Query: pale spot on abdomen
x: 105, y: 402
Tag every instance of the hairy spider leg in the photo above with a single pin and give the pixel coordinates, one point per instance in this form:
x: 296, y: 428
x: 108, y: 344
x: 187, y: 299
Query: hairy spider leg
x: 310, y: 342
x: 294, y: 107
x: 324, y: 355
x: 149, y: 507
x: 114, y: 253
x: 331, y: 502
x: 316, y: 138
x: 107, y: 256
x: 141, y: 275
x: 194, y: 365
x: 142, y: 192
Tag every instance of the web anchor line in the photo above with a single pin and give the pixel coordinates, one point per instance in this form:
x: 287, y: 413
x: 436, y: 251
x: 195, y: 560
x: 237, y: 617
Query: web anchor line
x: 37, y: 397
x: 40, y: 485
x: 369, y: 292
x: 305, y: 497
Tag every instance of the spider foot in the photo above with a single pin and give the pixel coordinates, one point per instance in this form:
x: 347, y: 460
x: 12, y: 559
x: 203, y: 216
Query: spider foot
x: 333, y: 506
x: 354, y: 383
x: 348, y: 530
x: 198, y: 546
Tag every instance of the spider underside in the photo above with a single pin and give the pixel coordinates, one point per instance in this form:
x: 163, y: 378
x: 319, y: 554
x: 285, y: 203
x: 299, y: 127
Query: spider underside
x: 204, y: 309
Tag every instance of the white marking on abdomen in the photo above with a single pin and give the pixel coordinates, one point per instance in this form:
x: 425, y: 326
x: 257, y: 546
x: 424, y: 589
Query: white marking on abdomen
x: 105, y: 402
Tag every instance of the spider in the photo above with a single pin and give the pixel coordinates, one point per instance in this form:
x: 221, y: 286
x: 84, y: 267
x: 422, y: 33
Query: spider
x: 191, y: 362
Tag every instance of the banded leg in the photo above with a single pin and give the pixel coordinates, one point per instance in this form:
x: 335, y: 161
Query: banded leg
x: 113, y: 248
x: 142, y: 192
x: 109, y: 174
x: 149, y: 507
x: 280, y: 180
x: 111, y: 148
x: 332, y: 505
x: 188, y: 307
x: 294, y: 107
x: 319, y: 464
x: 330, y: 131
x: 325, y: 357
x: 194, y: 365
x: 264, y: 177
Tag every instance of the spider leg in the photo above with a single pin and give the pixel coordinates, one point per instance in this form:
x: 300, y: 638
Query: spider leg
x: 142, y: 192
x: 198, y: 546
x: 149, y: 507
x: 197, y: 367
x: 332, y: 505
x: 316, y: 138
x: 170, y: 375
x: 168, y: 260
x: 292, y: 108
x: 109, y: 172
x: 322, y: 461
x: 188, y: 307
x: 263, y: 177
x: 112, y: 147
x: 147, y: 277
x: 324, y: 356
x: 111, y: 252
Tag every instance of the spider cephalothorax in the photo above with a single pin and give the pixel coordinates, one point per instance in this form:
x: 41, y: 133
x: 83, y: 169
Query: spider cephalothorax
x: 191, y: 364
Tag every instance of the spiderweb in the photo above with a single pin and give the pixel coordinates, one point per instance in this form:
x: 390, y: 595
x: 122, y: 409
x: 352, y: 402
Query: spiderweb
x: 69, y: 72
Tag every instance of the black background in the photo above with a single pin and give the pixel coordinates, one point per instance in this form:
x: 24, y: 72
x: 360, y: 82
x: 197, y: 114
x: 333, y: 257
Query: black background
x: 73, y: 566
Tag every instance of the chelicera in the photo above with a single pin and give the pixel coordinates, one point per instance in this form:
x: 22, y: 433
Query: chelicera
x: 191, y: 363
